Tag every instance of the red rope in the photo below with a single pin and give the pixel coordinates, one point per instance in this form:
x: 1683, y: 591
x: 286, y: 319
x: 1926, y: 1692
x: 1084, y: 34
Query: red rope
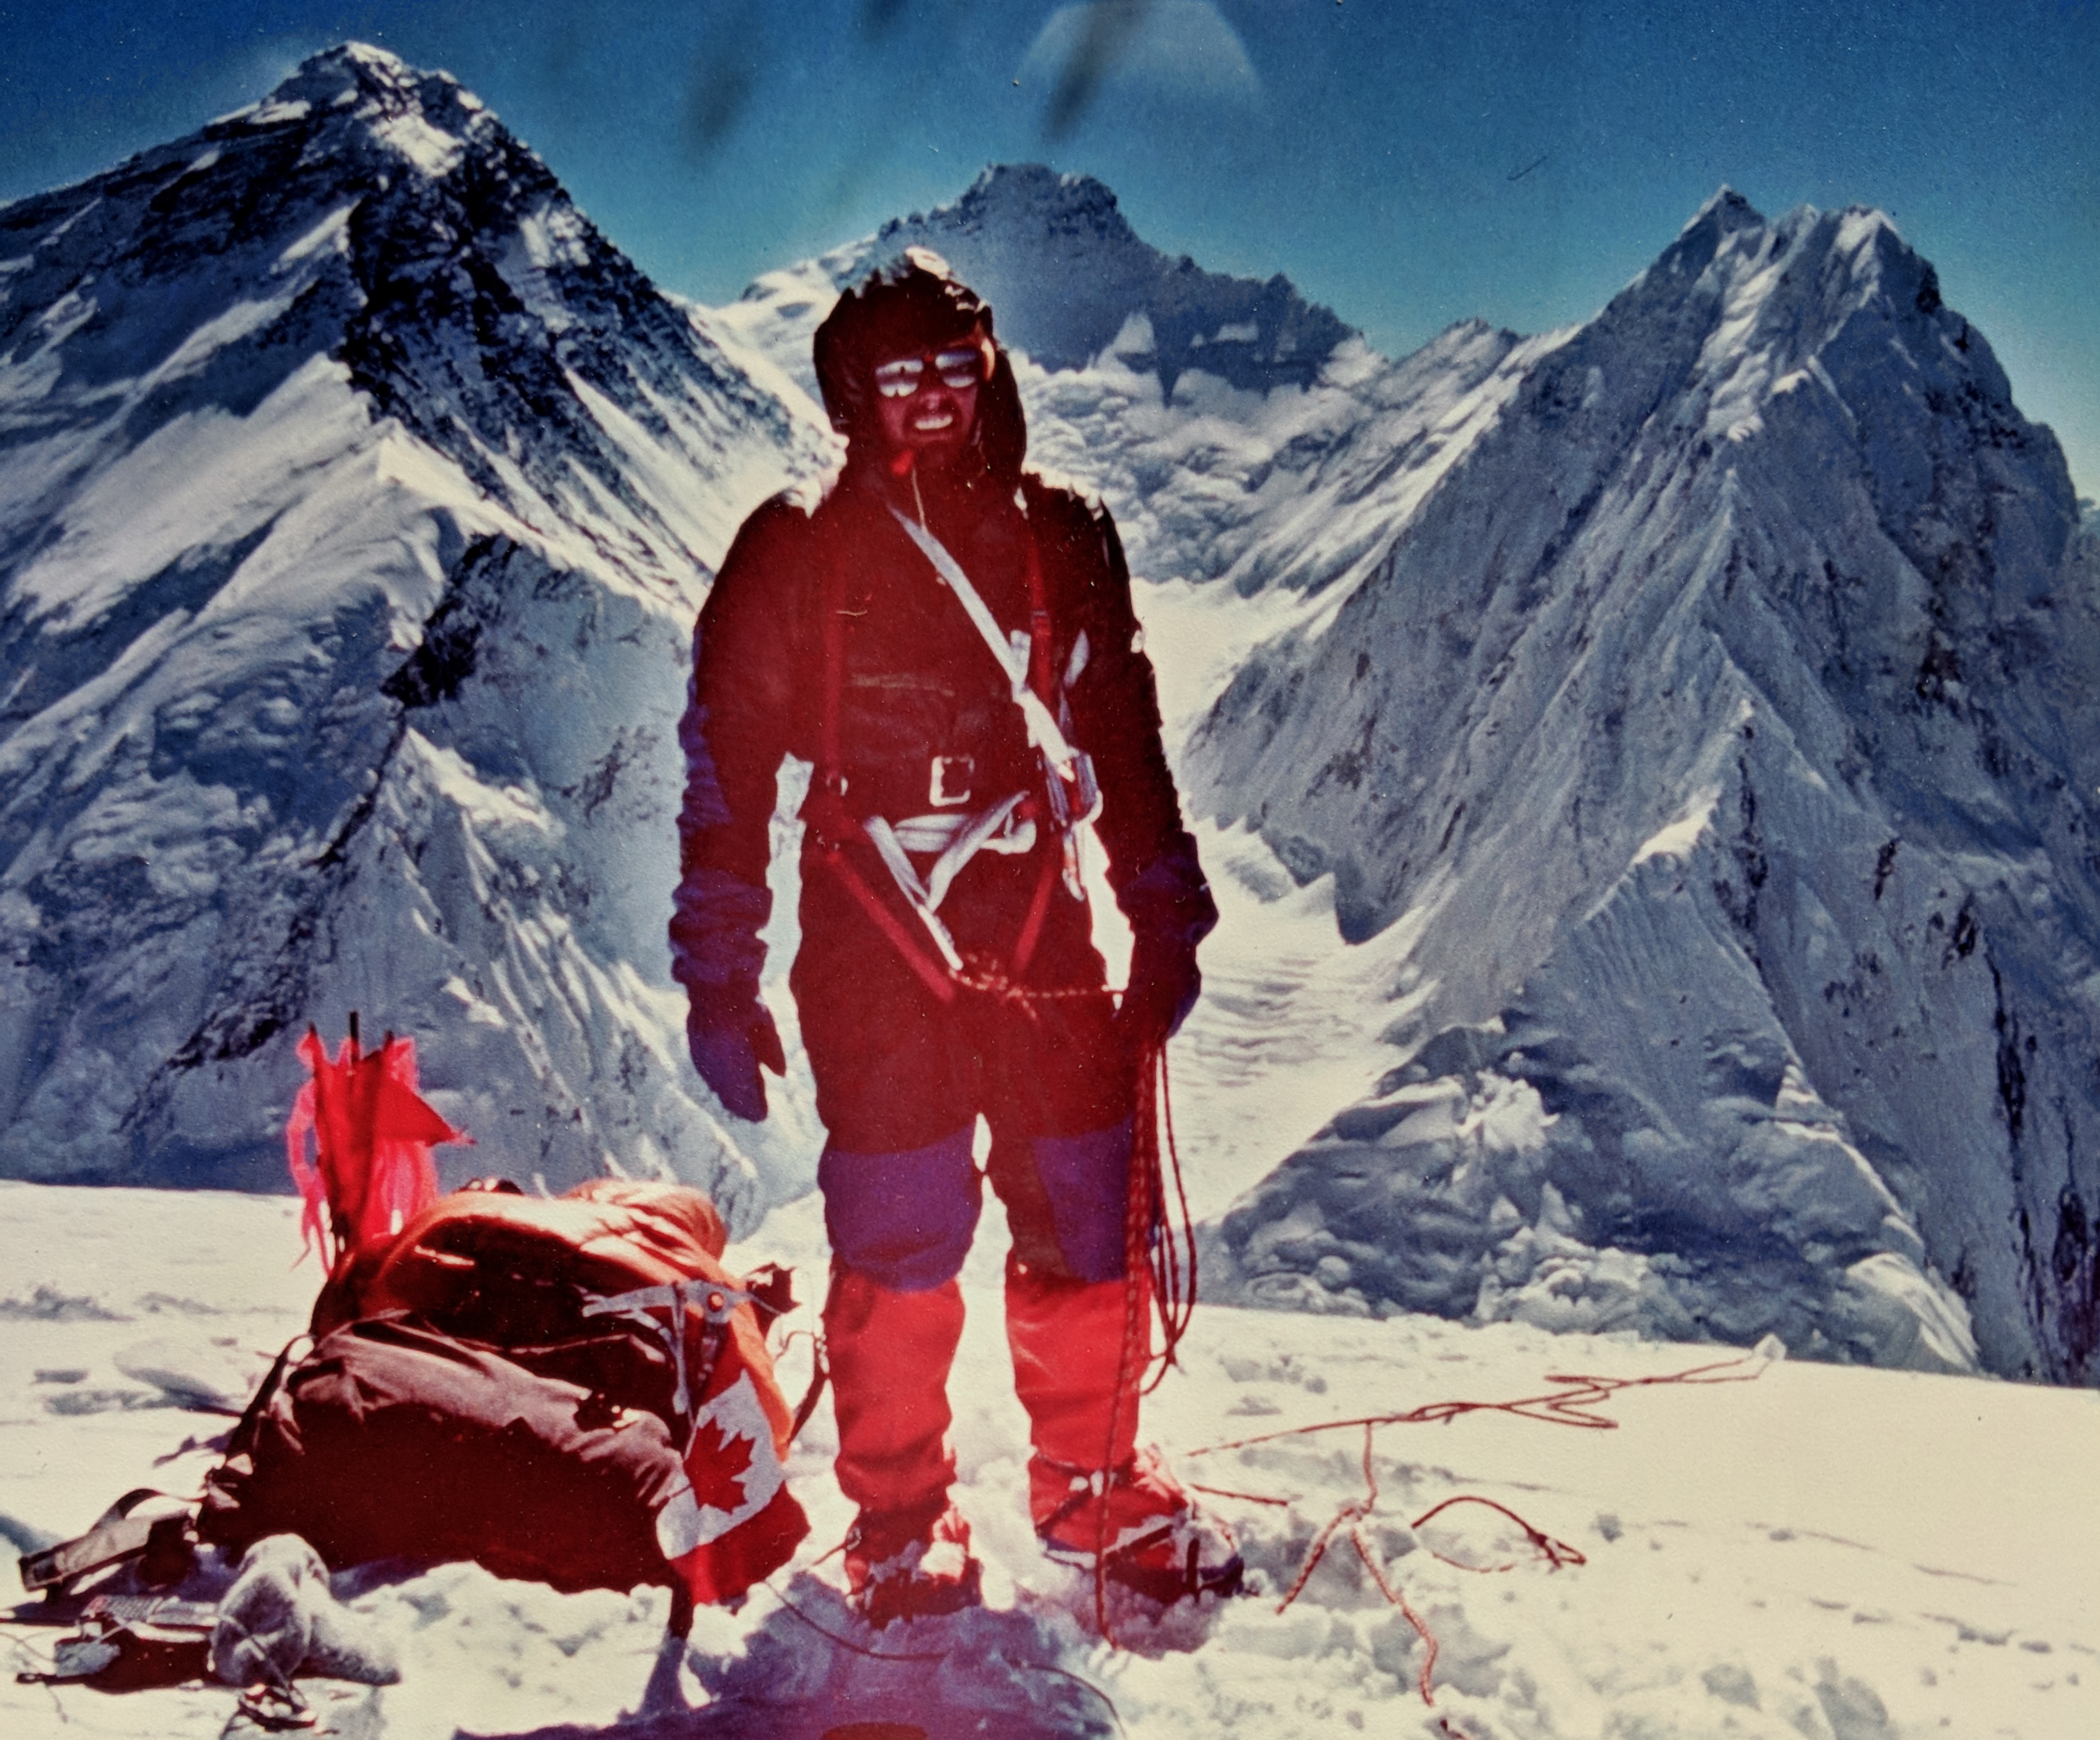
x: 1172, y: 1249
x: 1571, y: 1404
x: 1160, y: 1248
x: 1556, y: 1554
x: 1136, y: 1231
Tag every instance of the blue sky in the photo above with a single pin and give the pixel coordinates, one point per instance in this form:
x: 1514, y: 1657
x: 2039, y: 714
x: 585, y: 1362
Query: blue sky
x: 1408, y: 164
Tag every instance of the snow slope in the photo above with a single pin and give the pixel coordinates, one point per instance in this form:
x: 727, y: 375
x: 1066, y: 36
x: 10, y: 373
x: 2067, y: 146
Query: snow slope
x: 1715, y: 746
x: 356, y: 498
x: 1816, y: 1554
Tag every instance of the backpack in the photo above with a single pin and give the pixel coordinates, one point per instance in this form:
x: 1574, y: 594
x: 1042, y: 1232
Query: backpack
x: 571, y: 1389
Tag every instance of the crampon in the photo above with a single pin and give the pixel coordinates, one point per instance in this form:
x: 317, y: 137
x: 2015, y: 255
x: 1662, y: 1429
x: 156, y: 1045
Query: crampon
x: 911, y: 1565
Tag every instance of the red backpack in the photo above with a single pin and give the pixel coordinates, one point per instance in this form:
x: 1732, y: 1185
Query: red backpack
x: 573, y: 1390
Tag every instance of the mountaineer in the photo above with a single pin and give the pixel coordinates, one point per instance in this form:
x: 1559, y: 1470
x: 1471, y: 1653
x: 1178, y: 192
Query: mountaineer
x: 950, y: 642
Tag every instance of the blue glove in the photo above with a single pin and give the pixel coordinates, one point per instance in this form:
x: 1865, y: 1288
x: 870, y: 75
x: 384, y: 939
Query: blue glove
x: 730, y: 1033
x: 1164, y: 985
x: 717, y: 956
x: 1171, y: 910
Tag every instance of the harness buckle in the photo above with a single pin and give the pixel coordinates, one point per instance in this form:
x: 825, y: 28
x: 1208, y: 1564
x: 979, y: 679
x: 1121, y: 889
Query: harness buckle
x: 950, y: 783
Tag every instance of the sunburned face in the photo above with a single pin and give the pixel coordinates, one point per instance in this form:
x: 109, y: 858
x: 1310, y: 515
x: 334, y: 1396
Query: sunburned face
x: 927, y: 403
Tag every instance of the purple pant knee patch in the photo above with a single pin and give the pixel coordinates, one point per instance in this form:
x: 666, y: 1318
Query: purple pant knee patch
x: 904, y: 1219
x: 1087, y: 1179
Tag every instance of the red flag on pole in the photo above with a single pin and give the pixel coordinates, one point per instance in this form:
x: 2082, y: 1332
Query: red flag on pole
x: 372, y: 1133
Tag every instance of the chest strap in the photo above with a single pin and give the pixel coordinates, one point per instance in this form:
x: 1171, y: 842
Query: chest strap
x: 1015, y: 653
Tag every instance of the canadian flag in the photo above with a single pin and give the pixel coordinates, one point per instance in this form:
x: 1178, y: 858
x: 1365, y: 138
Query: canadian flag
x: 731, y: 1520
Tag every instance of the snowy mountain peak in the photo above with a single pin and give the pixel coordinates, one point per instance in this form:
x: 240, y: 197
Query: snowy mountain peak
x: 360, y: 73
x: 1068, y: 279
x: 358, y: 103
x: 1033, y: 195
x: 1726, y: 209
x: 1714, y: 752
x: 359, y: 497
x: 1725, y: 215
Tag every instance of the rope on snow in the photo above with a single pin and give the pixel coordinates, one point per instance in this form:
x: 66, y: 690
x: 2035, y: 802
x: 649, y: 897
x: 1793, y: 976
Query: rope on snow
x: 1573, y: 1403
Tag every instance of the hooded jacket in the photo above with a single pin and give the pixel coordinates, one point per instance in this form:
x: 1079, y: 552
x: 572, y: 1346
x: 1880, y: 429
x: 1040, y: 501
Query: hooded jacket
x: 828, y: 636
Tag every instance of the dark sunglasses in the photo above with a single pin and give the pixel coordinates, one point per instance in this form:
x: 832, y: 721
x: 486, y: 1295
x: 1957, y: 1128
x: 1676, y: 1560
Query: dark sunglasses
x: 958, y: 368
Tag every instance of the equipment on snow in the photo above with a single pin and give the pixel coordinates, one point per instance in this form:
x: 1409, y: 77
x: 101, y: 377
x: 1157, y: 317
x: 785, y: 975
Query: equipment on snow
x: 126, y: 1643
x: 571, y: 1389
x: 280, y: 1620
x: 163, y: 1547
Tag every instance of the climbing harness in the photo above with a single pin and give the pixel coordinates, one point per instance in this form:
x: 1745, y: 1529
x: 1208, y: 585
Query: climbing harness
x: 950, y: 831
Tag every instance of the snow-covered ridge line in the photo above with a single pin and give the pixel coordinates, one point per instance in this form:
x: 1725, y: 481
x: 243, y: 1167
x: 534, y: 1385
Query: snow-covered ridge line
x: 357, y: 502
x: 1718, y: 730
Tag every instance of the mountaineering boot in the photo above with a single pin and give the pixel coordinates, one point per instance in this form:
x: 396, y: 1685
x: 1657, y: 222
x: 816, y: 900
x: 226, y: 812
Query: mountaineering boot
x: 911, y: 1565
x: 1150, y: 1536
x: 1090, y: 1492
x: 889, y: 1351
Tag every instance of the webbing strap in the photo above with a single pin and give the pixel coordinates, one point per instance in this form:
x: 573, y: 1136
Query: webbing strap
x: 916, y: 894
x: 835, y: 666
x: 1038, y: 909
x: 1014, y: 656
x: 116, y: 1536
x: 940, y: 983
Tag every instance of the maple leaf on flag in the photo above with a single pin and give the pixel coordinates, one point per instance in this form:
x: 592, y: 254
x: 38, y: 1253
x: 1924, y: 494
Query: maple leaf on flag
x: 717, y: 1463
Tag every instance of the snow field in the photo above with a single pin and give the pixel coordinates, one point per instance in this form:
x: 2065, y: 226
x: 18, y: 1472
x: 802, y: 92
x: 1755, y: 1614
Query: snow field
x: 1816, y: 1551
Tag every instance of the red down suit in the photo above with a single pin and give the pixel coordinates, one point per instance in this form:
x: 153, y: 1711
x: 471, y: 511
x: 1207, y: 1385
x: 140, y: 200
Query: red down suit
x: 830, y: 636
